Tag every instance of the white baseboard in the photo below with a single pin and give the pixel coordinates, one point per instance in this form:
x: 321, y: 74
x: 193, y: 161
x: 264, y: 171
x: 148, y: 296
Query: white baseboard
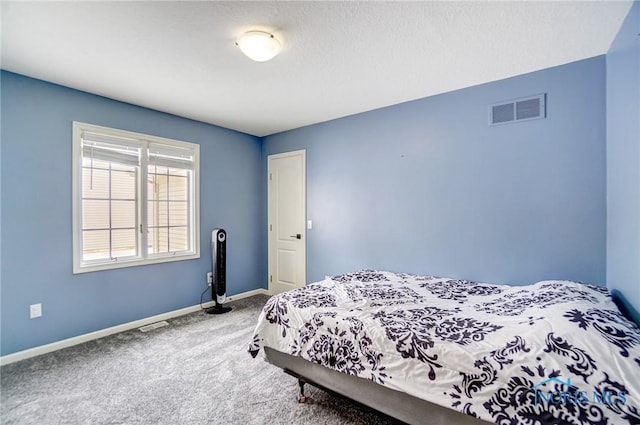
x: 69, y: 342
x: 247, y: 294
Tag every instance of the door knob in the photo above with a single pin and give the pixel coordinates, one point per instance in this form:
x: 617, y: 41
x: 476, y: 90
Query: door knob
x: 297, y: 236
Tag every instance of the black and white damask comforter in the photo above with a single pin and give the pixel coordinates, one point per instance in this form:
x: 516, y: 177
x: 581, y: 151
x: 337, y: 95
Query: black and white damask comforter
x: 552, y: 352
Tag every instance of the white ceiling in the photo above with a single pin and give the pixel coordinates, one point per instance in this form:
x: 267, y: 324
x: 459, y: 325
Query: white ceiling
x: 339, y: 58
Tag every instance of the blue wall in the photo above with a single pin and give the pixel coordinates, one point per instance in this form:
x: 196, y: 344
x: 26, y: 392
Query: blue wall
x: 36, y: 217
x: 428, y: 187
x: 423, y: 187
x: 623, y: 163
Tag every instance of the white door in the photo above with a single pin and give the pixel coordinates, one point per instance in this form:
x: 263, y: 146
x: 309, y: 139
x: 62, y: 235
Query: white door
x: 287, y: 214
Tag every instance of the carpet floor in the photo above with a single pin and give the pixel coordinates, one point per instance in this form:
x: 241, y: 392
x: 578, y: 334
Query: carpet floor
x: 194, y: 371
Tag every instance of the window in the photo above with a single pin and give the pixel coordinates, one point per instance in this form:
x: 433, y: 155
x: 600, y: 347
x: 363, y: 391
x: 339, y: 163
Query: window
x: 135, y: 199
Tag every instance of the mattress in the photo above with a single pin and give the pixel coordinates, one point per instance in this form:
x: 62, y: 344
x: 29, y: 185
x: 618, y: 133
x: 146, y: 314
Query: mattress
x: 551, y: 352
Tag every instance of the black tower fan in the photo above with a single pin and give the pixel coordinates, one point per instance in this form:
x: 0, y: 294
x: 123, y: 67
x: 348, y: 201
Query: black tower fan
x: 219, y: 271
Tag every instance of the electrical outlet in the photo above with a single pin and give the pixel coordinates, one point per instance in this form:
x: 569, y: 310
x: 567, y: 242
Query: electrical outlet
x: 209, y: 278
x: 35, y: 310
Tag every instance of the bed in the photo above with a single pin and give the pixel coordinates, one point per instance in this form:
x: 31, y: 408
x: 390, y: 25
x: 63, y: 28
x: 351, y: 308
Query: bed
x: 456, y: 351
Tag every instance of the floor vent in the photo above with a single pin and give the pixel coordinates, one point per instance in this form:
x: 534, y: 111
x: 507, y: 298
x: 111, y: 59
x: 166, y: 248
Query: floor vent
x: 523, y: 109
x: 153, y: 326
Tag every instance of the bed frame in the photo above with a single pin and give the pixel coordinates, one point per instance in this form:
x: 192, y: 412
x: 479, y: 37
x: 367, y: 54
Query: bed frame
x: 395, y: 404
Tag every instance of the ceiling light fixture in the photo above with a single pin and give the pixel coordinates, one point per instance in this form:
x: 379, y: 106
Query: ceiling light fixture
x: 259, y: 45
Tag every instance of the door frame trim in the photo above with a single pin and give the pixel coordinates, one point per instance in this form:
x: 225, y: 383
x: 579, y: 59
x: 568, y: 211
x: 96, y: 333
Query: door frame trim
x: 270, y: 253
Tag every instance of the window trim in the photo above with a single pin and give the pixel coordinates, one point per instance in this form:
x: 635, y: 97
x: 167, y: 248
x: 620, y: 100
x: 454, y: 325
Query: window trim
x: 80, y: 266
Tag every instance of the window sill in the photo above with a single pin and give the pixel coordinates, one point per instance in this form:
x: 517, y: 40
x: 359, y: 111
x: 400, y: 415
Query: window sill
x: 86, y: 268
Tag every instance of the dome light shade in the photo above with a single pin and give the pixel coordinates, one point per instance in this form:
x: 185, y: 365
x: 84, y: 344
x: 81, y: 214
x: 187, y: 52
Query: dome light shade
x: 259, y: 45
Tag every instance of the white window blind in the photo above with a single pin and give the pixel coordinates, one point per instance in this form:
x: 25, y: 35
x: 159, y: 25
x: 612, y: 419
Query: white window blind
x: 115, y: 150
x: 170, y: 156
x: 135, y: 199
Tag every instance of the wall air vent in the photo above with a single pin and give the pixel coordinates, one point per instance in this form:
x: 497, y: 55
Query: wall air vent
x: 523, y: 109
